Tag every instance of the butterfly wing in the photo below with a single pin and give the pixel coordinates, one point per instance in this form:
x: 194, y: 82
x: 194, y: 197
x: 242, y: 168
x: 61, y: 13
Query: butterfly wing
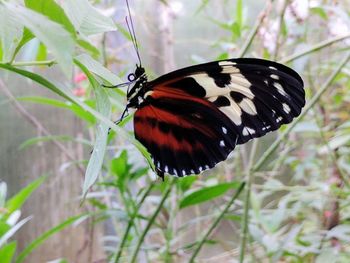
x: 193, y: 117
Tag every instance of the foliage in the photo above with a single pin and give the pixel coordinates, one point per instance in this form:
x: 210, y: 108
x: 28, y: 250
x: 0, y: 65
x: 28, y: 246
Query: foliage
x: 295, y: 206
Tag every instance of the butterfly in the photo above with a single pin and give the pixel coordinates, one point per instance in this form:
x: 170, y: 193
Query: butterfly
x: 193, y: 118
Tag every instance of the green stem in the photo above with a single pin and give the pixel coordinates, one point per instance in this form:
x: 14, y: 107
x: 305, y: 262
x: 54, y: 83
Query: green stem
x: 216, y: 222
x: 131, y: 222
x: 314, y: 48
x: 254, y: 31
x: 34, y: 63
x: 312, y: 102
x: 246, y: 203
x: 151, y: 221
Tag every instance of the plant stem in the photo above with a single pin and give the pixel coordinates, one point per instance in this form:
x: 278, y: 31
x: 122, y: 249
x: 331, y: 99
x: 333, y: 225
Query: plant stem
x: 34, y: 63
x: 254, y: 31
x: 314, y: 48
x: 216, y: 222
x: 311, y: 103
x: 131, y: 222
x: 246, y: 203
x: 151, y: 221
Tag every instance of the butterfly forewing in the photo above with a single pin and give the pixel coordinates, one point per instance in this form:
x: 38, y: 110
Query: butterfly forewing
x: 192, y: 118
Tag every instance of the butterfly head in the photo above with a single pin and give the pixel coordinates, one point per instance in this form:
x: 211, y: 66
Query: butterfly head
x: 135, y: 94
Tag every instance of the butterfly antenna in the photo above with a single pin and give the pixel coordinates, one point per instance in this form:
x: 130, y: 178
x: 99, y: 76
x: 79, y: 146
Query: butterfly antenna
x: 132, y: 32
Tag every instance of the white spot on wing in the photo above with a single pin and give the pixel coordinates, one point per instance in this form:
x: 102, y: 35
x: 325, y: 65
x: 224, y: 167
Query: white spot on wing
x: 279, y: 119
x: 192, y: 171
x: 175, y: 172
x: 224, y: 130
x: 286, y: 108
x: 227, y: 63
x: 166, y: 169
x: 280, y: 89
x: 200, y: 168
x: 207, y: 167
x: 248, y: 106
x: 222, y: 143
x: 183, y: 172
x: 271, y: 67
x: 234, y: 112
x: 274, y: 76
x: 248, y: 131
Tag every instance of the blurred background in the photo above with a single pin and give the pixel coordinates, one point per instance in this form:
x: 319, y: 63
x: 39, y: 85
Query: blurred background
x: 296, y: 198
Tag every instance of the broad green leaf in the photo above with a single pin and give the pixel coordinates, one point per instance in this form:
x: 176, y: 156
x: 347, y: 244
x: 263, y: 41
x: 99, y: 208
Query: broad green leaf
x: 10, y: 33
x: 7, y: 252
x: 38, y: 241
x: 207, y: 193
x: 53, y: 11
x: 15, y: 202
x: 118, y: 165
x: 87, y: 19
x: 48, y: 32
x: 104, y: 107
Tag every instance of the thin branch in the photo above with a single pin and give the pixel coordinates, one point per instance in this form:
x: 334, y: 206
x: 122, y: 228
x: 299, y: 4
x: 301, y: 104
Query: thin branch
x: 255, y: 30
x: 216, y: 222
x: 246, y: 202
x: 36, y: 123
x: 314, y: 48
x: 34, y: 63
x: 151, y: 221
x: 312, y: 102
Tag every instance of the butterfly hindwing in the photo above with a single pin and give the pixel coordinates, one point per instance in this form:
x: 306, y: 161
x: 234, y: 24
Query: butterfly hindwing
x: 184, y: 134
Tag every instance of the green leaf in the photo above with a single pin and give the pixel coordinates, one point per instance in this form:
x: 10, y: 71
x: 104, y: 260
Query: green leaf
x: 207, y: 193
x: 42, y: 53
x: 4, y: 238
x: 95, y: 52
x: 26, y: 37
x: 7, y: 252
x: 36, y: 140
x: 53, y: 11
x: 94, y: 66
x: 320, y: 12
x: 38, y: 241
x: 48, y: 32
x: 10, y: 33
x: 118, y: 166
x: 18, y: 200
x: 104, y: 107
x: 86, y: 19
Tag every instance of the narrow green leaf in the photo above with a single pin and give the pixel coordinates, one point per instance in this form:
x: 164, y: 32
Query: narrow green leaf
x: 38, y: 241
x: 4, y: 238
x: 207, y: 193
x: 18, y: 200
x: 104, y: 107
x: 320, y: 12
x: 7, y: 252
x: 42, y: 53
x: 87, y: 19
x: 36, y: 78
x: 26, y: 37
x: 95, y: 52
x: 48, y: 32
x: 36, y: 140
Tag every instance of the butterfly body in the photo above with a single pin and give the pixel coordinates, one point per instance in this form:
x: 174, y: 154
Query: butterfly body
x: 192, y: 118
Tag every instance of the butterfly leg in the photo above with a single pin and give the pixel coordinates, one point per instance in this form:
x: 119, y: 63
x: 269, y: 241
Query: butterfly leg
x: 124, y: 115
